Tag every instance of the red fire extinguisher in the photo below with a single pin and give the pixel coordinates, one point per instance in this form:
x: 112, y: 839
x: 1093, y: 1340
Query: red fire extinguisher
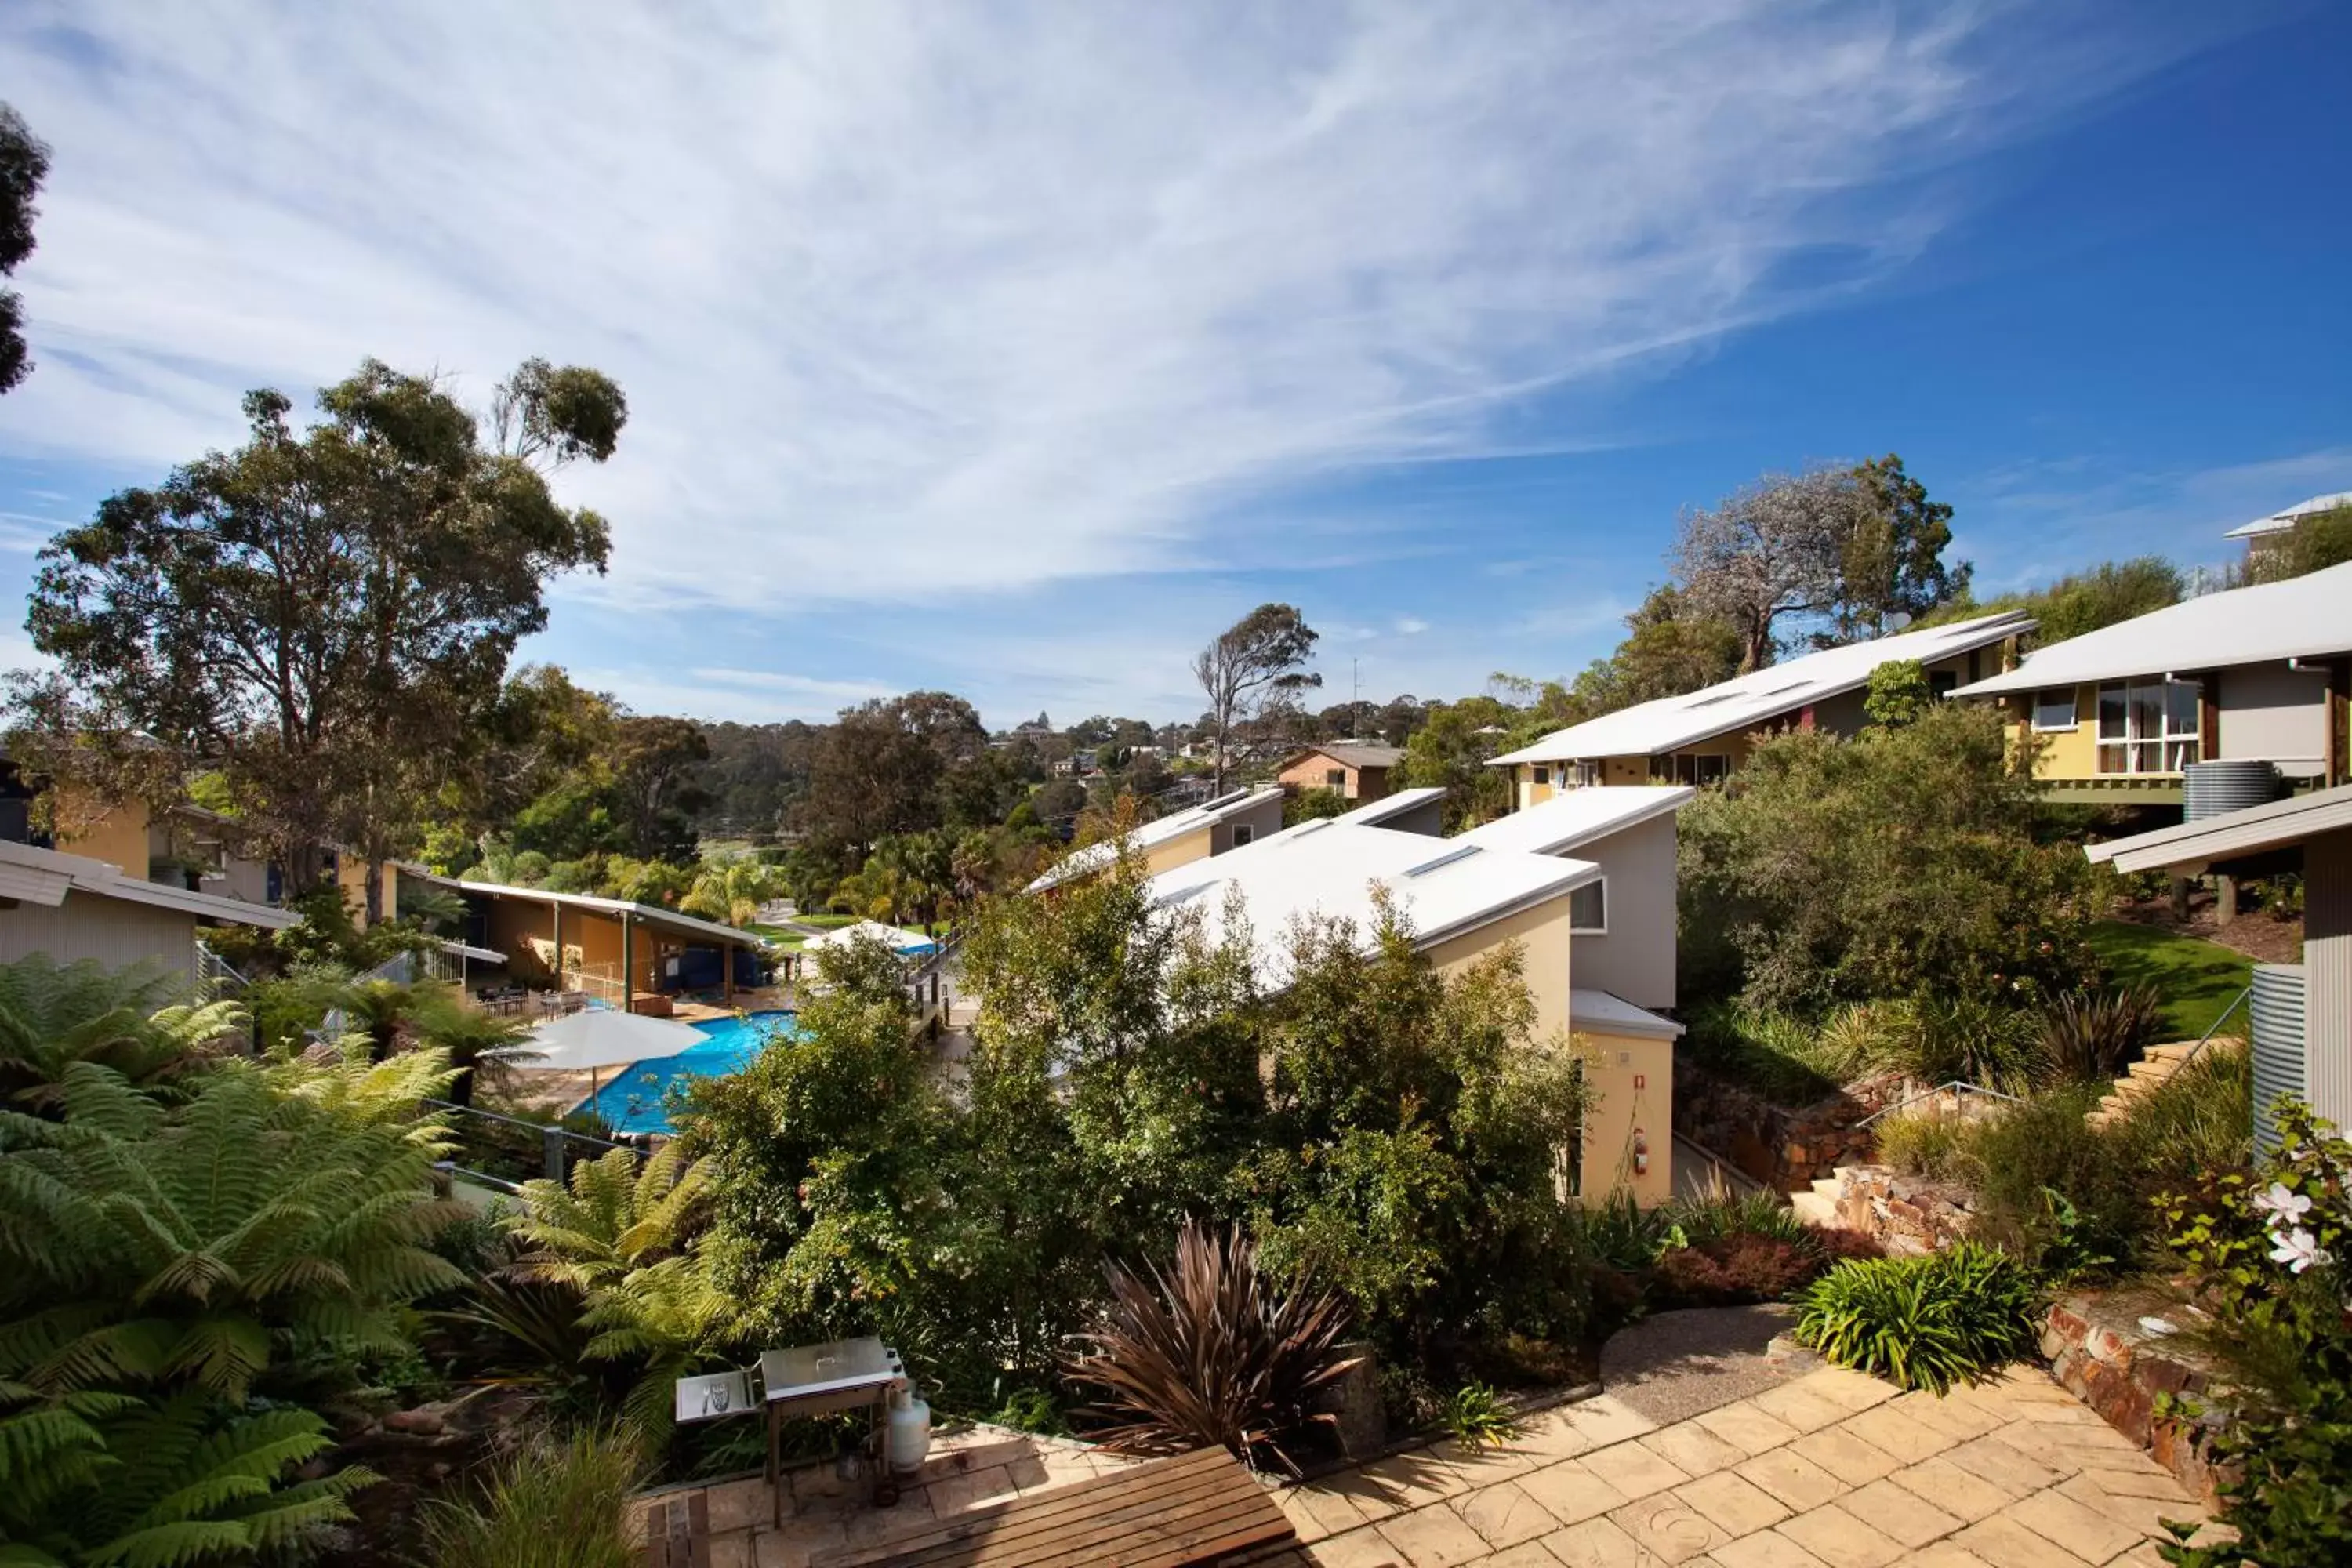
x: 1641, y: 1152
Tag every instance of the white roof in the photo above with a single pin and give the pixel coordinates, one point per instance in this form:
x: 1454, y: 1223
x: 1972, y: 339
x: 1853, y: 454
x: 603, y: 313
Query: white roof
x: 1578, y: 816
x: 47, y: 876
x: 1326, y: 869
x: 2197, y: 845
x: 651, y: 914
x: 897, y: 939
x: 2299, y: 618
x: 2280, y: 522
x: 1373, y: 812
x: 1159, y: 830
x: 1736, y: 706
x: 1606, y: 1012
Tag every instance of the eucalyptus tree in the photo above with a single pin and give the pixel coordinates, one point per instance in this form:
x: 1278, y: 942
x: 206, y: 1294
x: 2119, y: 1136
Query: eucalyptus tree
x: 1251, y: 674
x: 323, y: 615
x: 23, y: 164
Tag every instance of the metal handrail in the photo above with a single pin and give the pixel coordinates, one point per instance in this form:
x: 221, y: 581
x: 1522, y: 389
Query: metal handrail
x: 539, y: 1127
x: 1960, y: 1084
x: 2207, y: 1038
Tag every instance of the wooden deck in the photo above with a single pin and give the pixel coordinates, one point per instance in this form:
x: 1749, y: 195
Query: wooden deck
x: 1200, y: 1507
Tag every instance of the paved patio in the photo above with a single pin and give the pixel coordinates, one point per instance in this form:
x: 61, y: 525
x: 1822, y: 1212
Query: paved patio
x: 1831, y: 1468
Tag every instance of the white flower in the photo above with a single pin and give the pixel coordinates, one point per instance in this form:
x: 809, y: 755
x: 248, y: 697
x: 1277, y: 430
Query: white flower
x: 2298, y: 1249
x: 2289, y: 1207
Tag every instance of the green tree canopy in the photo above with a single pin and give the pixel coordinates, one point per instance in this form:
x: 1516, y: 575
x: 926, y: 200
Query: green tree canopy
x: 1909, y: 861
x: 322, y: 615
x: 23, y: 164
x: 1251, y: 675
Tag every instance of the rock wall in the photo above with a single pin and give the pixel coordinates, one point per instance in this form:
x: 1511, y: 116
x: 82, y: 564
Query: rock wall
x: 1902, y: 1213
x: 2099, y: 1350
x: 1785, y: 1148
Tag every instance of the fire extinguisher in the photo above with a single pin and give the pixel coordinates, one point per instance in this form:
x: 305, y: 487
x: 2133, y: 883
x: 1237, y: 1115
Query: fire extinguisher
x: 1641, y: 1152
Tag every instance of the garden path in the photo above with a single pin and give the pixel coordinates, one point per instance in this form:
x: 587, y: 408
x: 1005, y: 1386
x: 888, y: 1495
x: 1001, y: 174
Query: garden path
x: 1832, y: 1467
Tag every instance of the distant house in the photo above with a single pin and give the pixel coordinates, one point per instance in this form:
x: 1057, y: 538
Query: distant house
x: 1624, y: 920
x: 185, y: 846
x: 1212, y: 827
x: 72, y: 907
x: 1464, y: 901
x: 1356, y: 772
x: 2264, y: 532
x: 1701, y: 737
x: 623, y: 952
x: 2262, y: 673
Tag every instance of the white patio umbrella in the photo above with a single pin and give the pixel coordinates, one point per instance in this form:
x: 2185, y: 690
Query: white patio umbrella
x: 597, y: 1037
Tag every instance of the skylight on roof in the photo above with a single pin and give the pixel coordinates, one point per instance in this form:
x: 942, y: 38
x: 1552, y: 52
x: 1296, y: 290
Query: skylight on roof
x: 1792, y: 686
x: 1448, y: 858
x: 1711, y: 701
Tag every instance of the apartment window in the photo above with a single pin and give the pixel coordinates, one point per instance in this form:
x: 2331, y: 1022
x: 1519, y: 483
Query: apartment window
x: 1336, y: 778
x: 1588, y: 908
x: 1243, y: 834
x: 1542, y: 773
x: 2150, y: 726
x: 1581, y: 775
x: 2054, y: 710
x: 1942, y: 683
x: 1688, y: 769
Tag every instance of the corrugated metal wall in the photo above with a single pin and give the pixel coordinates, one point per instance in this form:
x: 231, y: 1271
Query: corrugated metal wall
x: 2277, y: 1043
x: 2328, y: 973
x: 114, y: 932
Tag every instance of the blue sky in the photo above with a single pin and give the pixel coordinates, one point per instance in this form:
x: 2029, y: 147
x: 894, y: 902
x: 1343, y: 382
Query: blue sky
x: 1015, y: 350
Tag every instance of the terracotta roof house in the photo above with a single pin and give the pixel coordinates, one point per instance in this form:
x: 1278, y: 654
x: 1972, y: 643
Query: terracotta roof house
x: 1357, y: 771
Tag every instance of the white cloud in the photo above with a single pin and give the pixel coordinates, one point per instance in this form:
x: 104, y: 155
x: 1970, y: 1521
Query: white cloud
x: 921, y: 302
x: 1411, y: 625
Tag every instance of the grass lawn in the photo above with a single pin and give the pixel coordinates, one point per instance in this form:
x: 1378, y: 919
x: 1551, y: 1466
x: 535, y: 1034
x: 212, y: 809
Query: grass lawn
x: 2197, y: 979
x: 787, y: 940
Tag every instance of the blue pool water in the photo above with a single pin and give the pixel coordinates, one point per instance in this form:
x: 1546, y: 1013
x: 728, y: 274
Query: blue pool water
x: 634, y: 1099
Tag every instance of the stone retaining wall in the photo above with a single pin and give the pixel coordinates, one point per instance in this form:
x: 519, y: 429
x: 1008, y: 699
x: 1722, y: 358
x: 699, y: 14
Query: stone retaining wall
x: 1785, y: 1148
x: 1902, y: 1213
x: 2096, y: 1349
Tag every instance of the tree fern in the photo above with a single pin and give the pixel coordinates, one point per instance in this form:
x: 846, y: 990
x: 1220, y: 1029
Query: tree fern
x: 177, y: 1484
x: 53, y: 1014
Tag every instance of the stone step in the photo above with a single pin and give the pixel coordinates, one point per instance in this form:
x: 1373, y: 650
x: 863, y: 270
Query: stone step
x: 1813, y: 1208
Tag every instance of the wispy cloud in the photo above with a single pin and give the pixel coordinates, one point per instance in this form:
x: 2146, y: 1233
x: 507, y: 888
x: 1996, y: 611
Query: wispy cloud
x: 928, y: 302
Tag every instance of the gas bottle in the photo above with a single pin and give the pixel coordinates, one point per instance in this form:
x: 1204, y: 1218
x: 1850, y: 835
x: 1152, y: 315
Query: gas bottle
x: 910, y: 1431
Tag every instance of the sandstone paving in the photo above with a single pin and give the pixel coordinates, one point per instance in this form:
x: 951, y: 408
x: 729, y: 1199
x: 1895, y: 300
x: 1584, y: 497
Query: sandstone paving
x: 1830, y: 1469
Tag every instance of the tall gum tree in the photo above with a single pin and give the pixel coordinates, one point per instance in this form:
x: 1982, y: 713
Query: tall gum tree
x: 324, y: 615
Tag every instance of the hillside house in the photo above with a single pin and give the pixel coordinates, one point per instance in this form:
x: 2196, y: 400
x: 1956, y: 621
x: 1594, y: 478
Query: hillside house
x: 1356, y: 772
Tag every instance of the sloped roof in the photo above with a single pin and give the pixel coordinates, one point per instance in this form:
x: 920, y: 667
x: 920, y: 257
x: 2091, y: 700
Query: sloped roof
x: 1159, y: 830
x: 1739, y: 705
x: 1327, y: 869
x: 1375, y: 812
x: 647, y: 914
x: 1606, y: 1012
x: 1578, y: 816
x: 2301, y: 617
x: 2274, y: 826
x: 47, y: 876
x: 2281, y: 520
x: 1351, y: 754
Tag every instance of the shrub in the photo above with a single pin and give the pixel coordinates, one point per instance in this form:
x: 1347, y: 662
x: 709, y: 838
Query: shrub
x: 2097, y: 1033
x: 1477, y: 1418
x: 1736, y: 1270
x: 556, y: 1504
x: 1977, y: 1039
x: 1928, y: 1143
x: 1925, y: 1323
x: 2268, y: 1251
x: 1213, y: 1351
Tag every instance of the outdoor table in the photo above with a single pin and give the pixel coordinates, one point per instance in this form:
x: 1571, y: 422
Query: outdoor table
x: 817, y: 1380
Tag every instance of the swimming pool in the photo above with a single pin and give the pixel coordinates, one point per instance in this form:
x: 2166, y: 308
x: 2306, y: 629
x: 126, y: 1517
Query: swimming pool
x: 635, y: 1099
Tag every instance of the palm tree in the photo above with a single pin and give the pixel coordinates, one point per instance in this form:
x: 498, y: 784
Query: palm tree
x: 733, y: 890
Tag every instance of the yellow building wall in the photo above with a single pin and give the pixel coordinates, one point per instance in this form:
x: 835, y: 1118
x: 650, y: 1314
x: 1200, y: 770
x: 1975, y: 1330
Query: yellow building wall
x: 1629, y: 1082
x: 1180, y: 851
x: 116, y: 835
x: 2060, y: 753
x: 1542, y: 932
x: 351, y: 876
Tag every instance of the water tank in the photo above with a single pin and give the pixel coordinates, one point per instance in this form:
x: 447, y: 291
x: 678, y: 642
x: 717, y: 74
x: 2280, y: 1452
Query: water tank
x: 2276, y: 1040
x: 2210, y: 789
